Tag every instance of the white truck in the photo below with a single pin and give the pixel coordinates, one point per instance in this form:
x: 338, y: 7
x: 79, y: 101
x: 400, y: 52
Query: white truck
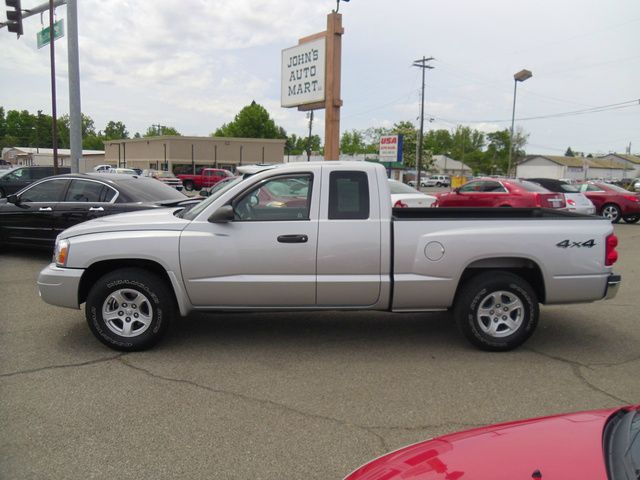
x: 323, y: 236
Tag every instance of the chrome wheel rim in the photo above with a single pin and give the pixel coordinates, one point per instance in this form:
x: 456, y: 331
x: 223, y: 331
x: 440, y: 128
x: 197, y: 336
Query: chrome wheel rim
x: 500, y: 314
x: 127, y: 312
x: 610, y: 212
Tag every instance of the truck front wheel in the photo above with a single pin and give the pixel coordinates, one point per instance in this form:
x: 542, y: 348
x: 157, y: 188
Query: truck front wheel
x: 496, y: 311
x: 129, y: 309
x: 188, y: 185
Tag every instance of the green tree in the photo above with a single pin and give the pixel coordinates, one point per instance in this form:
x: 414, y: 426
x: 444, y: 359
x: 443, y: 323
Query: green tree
x: 115, y: 131
x: 64, y: 129
x: 162, y: 130
x: 352, y: 142
x: 253, y: 121
x: 569, y: 153
x: 439, y: 141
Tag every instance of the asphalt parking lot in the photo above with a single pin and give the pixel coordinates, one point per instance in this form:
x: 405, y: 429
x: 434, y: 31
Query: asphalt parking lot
x: 286, y: 396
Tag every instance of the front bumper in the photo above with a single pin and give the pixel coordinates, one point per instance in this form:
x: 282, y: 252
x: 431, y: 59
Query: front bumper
x: 613, y: 284
x: 59, y: 286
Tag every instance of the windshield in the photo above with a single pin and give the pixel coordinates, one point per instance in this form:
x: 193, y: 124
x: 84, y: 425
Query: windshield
x: 398, y: 187
x: 616, y: 188
x: 195, y: 211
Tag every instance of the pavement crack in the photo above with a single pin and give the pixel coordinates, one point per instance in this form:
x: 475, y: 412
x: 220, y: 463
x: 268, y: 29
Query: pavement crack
x: 261, y: 401
x: 577, y: 372
x: 62, y: 366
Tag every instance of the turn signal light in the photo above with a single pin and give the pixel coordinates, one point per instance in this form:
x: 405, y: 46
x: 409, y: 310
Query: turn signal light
x: 611, y: 255
x: 632, y: 198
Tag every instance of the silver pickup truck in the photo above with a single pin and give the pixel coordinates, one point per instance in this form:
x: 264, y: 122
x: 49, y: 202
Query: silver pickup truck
x: 315, y: 236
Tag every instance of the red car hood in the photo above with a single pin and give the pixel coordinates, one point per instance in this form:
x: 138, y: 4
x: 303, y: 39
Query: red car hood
x: 561, y: 447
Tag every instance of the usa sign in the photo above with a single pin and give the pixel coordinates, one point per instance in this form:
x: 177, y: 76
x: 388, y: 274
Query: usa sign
x: 391, y: 148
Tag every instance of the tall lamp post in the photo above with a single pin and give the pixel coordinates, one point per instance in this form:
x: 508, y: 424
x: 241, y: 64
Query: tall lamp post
x: 521, y: 76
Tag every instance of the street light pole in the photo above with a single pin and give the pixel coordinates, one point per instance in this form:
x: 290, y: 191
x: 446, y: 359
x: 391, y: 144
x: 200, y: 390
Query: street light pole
x: 521, y: 76
x: 421, y: 63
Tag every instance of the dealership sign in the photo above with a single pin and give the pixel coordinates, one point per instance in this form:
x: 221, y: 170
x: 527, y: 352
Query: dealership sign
x: 303, y: 68
x: 391, y: 148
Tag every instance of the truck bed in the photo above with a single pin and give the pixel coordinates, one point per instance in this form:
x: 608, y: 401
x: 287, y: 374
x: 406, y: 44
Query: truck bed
x: 479, y: 213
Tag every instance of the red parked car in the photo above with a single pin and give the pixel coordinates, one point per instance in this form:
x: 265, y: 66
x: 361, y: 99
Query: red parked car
x: 206, y: 178
x: 594, y: 445
x: 613, y: 202
x: 500, y: 192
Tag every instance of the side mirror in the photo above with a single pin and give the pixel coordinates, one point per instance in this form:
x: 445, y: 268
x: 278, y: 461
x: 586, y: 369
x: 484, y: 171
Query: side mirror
x: 13, y: 199
x: 457, y: 190
x: 222, y: 215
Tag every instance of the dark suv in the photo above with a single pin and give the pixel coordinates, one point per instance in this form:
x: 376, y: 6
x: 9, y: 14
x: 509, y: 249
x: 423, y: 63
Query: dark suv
x: 20, y: 177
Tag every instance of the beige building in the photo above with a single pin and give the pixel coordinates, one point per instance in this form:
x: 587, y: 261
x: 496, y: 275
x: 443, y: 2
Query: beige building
x: 29, y: 156
x: 187, y: 153
x: 574, y: 168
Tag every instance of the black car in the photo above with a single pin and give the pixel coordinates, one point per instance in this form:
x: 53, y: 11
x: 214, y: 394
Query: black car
x: 18, y: 178
x: 38, y: 213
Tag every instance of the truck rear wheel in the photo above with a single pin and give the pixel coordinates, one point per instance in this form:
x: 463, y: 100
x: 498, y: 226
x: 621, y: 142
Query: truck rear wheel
x: 496, y: 311
x: 129, y: 309
x: 188, y: 185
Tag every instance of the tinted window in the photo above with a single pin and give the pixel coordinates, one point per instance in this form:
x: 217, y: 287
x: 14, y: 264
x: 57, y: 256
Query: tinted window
x: 19, y: 174
x: 348, y: 195
x: 588, y: 187
x: 49, y: 191
x: 38, y: 173
x: 471, y: 187
x: 532, y: 187
x: 281, y: 198
x: 493, y: 187
x: 617, y: 188
x: 85, y: 191
x: 148, y: 190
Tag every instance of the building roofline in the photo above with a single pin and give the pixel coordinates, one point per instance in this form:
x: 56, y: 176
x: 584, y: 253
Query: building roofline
x: 196, y: 139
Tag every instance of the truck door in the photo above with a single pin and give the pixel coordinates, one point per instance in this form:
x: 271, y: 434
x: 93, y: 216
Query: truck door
x: 349, y: 243
x: 265, y: 256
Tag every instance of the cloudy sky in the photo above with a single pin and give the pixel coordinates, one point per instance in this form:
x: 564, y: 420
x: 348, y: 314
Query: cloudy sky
x: 192, y: 64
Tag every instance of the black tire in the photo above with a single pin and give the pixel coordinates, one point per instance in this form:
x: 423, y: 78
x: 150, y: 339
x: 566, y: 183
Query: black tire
x: 438, y: 184
x: 188, y: 185
x: 148, y: 296
x: 631, y: 218
x: 611, y: 211
x: 2, y: 194
x: 483, y: 292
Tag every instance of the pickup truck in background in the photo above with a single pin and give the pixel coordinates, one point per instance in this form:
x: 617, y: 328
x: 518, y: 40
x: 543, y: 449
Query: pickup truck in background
x: 206, y: 178
x: 323, y: 236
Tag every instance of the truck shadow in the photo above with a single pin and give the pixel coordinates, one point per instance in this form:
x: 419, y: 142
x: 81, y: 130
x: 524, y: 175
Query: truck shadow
x: 314, y: 328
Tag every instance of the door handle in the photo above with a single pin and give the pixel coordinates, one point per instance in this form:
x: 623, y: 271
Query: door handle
x: 45, y: 209
x: 96, y: 209
x: 293, y: 239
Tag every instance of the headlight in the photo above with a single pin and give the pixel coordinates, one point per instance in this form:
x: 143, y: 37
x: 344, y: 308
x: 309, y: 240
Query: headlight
x: 61, y: 253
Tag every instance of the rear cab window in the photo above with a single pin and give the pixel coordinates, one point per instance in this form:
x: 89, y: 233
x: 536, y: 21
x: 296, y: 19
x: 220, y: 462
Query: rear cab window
x: 348, y: 195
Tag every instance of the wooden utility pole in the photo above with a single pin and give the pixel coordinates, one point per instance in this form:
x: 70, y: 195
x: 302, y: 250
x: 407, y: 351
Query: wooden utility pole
x: 332, y: 101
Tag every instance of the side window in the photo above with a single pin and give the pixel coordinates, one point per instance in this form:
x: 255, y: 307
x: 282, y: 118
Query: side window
x: 19, y: 174
x: 83, y: 191
x: 282, y: 198
x: 471, y: 187
x: 348, y: 196
x: 48, y: 191
x: 493, y: 187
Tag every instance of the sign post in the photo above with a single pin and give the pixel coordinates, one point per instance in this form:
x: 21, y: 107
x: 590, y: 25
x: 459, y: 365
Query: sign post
x: 311, y: 79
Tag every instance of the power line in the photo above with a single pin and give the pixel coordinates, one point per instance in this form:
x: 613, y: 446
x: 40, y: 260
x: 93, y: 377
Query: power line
x: 601, y: 108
